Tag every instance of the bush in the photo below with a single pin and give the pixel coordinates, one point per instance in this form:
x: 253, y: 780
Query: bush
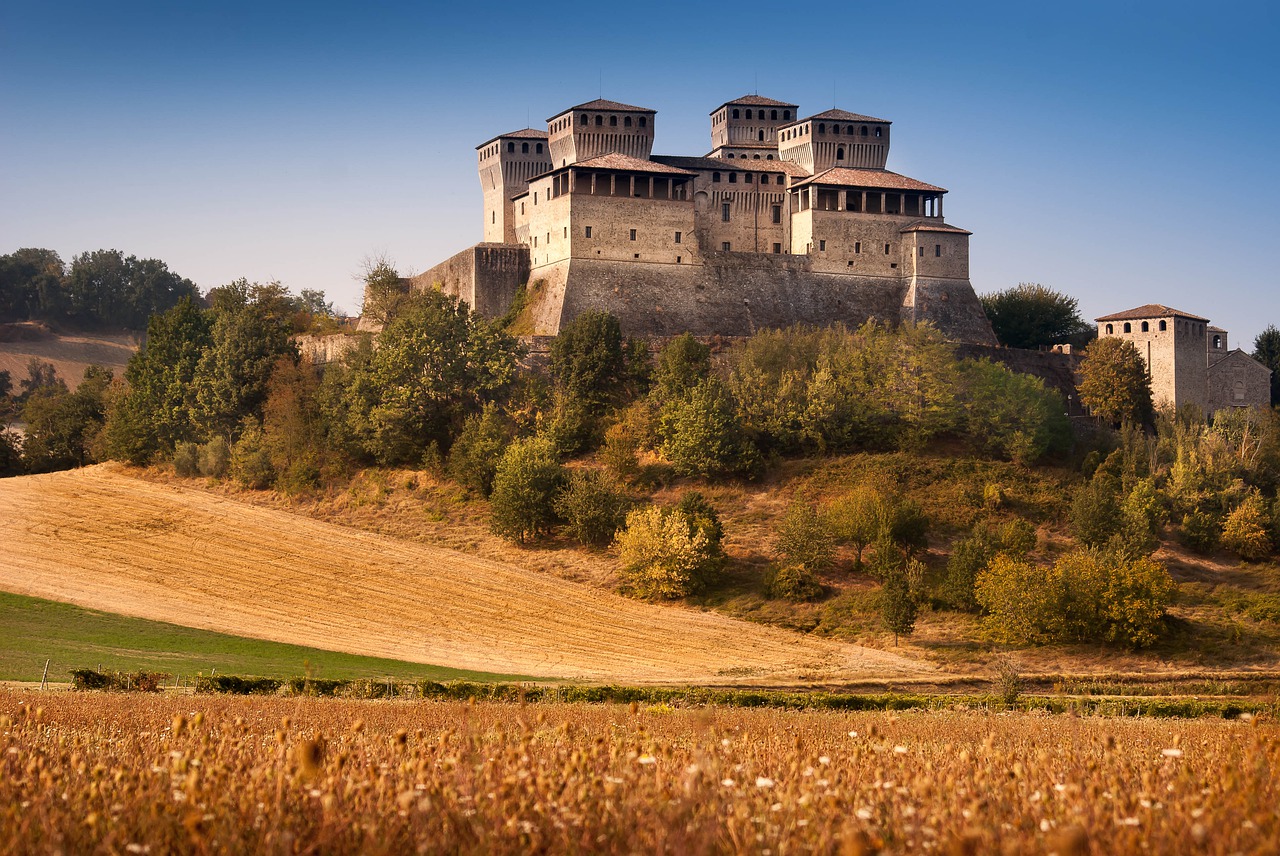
x: 1245, y: 532
x: 587, y: 360
x: 214, y: 458
x: 473, y: 460
x: 805, y: 540
x: 250, y: 460
x: 897, y: 606
x: 662, y: 555
x: 528, y: 479
x: 969, y: 558
x: 186, y: 460
x: 624, y: 439
x: 1199, y: 531
x: 791, y: 582
x: 703, y: 518
x: 701, y: 434
x: 568, y: 424
x: 1095, y: 512
x: 592, y: 507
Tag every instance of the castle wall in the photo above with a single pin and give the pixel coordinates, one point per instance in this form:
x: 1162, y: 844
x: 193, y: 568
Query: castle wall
x: 750, y: 227
x: 611, y: 219
x: 485, y: 277
x: 1238, y: 380
x: 1190, y: 377
x: 936, y: 254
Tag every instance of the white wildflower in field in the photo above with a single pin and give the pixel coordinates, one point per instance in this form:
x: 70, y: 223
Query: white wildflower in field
x: 1171, y: 753
x: 647, y: 759
x: 764, y: 782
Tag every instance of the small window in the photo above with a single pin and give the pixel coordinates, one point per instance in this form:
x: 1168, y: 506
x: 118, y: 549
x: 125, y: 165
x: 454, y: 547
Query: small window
x: 613, y: 121
x: 725, y: 246
x: 937, y: 251
x: 599, y: 121
x: 733, y: 178
x: 877, y: 131
x: 521, y: 207
x: 724, y: 212
x: 764, y: 179
x: 1238, y: 392
x: 748, y: 116
x: 1217, y: 342
x: 769, y: 157
x: 822, y: 246
x: 626, y: 123
x: 584, y: 118
x: 678, y: 236
x: 643, y: 121
x: 715, y: 176
x: 777, y: 213
x: 864, y: 130
x: 566, y: 231
x: 1110, y: 329
x: 786, y: 114
x: 679, y: 259
x: 730, y: 157
x: 777, y: 249
x: 736, y: 113
x: 495, y: 217
x: 1128, y: 328
x: 857, y: 247
x: 840, y: 153
x: 535, y: 240
x: 921, y: 252
x: 886, y: 249
x: 1146, y: 328
x: 636, y: 256
x: 511, y: 148
x: 524, y: 148
x: 588, y: 231
x: 633, y: 234
x: 747, y: 178
x: 1163, y: 326
x: 538, y: 149
x: 822, y: 128
x: 773, y: 115
x: 761, y: 138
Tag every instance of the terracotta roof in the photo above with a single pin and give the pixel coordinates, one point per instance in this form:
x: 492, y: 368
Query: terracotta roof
x: 602, y: 104
x: 1213, y: 329
x: 743, y: 165
x: 842, y: 116
x: 753, y: 101
x: 883, y: 179
x: 1151, y: 310
x: 522, y: 134
x: 928, y: 226
x: 614, y: 160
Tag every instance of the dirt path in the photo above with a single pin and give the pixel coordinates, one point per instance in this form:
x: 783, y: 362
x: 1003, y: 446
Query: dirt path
x: 100, y: 538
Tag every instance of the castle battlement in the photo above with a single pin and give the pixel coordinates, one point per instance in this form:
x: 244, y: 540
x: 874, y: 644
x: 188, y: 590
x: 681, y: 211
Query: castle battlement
x: 589, y: 204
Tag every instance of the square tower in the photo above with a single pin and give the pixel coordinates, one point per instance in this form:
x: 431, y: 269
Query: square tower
x: 747, y: 127
x: 507, y: 162
x: 1174, y: 346
x: 598, y: 128
x: 836, y: 138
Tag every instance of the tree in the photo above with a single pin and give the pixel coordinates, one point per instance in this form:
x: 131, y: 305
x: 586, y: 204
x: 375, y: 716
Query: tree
x: 293, y: 429
x: 701, y: 435
x: 1245, y: 532
x: 107, y: 287
x: 31, y: 285
x: 1095, y: 511
x: 662, y: 556
x: 1114, y: 382
x: 587, y: 360
x: 897, y: 607
x: 856, y: 519
x: 1012, y: 415
x: 805, y: 538
x: 473, y: 459
x: 1029, y: 315
x: 592, y: 507
x: 1266, y: 350
x: 62, y: 426
x: 385, y: 292
x: 682, y: 364
x: 525, y: 487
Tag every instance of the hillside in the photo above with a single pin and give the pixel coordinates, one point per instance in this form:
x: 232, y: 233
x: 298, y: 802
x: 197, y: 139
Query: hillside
x: 70, y: 353
x: 100, y: 538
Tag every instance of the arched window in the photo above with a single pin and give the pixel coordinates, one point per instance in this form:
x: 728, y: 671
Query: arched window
x: 761, y: 138
x: 786, y: 114
x: 748, y: 116
x: 773, y: 115
x: 849, y: 130
x: 1163, y: 326
x: 730, y: 157
x: 764, y: 179
x: 768, y: 157
x: 524, y: 148
x: 735, y: 113
x: 1217, y: 342
x: 1146, y: 328
x: 840, y: 153
x: 1110, y: 329
x: 626, y: 122
x: 643, y: 121
x: 1128, y: 328
x: 1238, y: 392
x: 864, y: 130
x: 755, y: 157
x: 539, y: 148
x: 584, y: 118
x: 599, y: 121
x: 511, y: 147
x: 715, y: 176
x: 613, y: 121
x: 733, y: 178
x: 877, y: 130
x: 822, y: 128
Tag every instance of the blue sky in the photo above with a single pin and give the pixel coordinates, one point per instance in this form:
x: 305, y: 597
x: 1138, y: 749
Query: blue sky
x: 1124, y: 153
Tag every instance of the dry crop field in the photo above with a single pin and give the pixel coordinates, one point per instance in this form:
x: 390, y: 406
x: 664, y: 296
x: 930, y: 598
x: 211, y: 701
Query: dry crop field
x: 99, y: 538
x: 89, y: 772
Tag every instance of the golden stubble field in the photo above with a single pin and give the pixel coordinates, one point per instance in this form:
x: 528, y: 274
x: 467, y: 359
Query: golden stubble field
x: 100, y: 538
x: 86, y: 773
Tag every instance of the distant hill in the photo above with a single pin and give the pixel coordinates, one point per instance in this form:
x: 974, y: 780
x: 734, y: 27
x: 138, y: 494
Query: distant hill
x: 69, y: 352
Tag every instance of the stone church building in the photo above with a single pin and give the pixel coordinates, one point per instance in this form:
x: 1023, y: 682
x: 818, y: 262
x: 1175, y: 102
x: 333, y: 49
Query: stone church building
x: 1189, y: 360
x: 786, y: 219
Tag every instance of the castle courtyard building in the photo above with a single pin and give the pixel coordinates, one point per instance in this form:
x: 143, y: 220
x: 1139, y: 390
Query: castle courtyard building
x: 785, y: 220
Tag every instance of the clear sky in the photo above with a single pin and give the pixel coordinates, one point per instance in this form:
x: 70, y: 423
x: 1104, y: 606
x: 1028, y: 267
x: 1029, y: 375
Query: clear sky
x: 1122, y: 152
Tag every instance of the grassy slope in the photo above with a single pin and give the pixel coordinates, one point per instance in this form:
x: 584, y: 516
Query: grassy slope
x: 33, y: 630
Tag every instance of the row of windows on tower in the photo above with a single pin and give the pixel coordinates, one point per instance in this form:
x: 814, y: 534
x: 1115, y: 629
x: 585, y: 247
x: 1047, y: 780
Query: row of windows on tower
x: 747, y: 179
x: 759, y: 114
x: 641, y: 121
x: 792, y: 133
x: 744, y: 157
x: 1145, y: 327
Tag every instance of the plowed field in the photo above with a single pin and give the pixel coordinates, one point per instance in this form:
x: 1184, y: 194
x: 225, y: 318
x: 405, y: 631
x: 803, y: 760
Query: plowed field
x: 99, y: 538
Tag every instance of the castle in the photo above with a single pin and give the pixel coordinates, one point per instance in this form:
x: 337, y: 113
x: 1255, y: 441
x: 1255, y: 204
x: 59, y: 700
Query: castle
x: 1188, y: 359
x: 785, y: 220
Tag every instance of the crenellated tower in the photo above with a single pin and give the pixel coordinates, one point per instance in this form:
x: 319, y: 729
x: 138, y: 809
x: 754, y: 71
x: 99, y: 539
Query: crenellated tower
x: 747, y: 127
x: 599, y: 128
x: 507, y: 162
x: 836, y: 138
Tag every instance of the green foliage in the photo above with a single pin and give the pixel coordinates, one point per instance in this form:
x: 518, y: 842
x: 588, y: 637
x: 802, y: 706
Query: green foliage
x: 293, y: 429
x: 568, y: 424
x: 106, y: 287
x: 1142, y: 515
x: 473, y: 459
x: 1087, y: 596
x: 1012, y: 415
x: 31, y: 285
x: 788, y: 581
x: 592, y: 507
x: 804, y: 539
x: 1266, y: 350
x: 701, y: 436
x: 624, y: 439
x: 1095, y: 511
x: 856, y: 518
x: 703, y: 517
x: 186, y: 459
x: 1114, y: 383
x: 971, y: 555
x: 1199, y: 530
x: 10, y: 453
x: 525, y: 486
x: 385, y: 293
x: 587, y: 360
x: 682, y: 364
x: 250, y: 459
x: 897, y: 606
x: 1030, y: 315
x: 63, y: 427
x: 662, y: 556
x: 1246, y: 531
x: 214, y: 458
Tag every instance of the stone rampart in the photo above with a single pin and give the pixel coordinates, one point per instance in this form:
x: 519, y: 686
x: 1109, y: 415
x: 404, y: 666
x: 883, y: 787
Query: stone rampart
x: 485, y: 276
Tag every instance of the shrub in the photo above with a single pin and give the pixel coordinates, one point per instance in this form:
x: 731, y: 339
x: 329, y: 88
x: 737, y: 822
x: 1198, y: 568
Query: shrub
x: 587, y: 360
x: 568, y: 424
x: 804, y: 539
x: 473, y: 460
x: 1007, y: 682
x: 1199, y: 530
x: 1245, y: 532
x: 624, y: 439
x: 186, y: 460
x: 592, y: 507
x: 250, y: 460
x: 968, y: 558
x: 701, y: 435
x: 528, y: 478
x: 1017, y: 537
x: 791, y: 582
x: 703, y: 518
x: 1095, y: 512
x: 214, y: 458
x: 663, y: 557
x: 856, y: 517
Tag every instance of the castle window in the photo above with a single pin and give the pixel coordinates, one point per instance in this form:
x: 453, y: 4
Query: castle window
x: 725, y: 246
x: 840, y: 153
x: 626, y: 123
x: 877, y: 130
x: 773, y: 115
x: 613, y: 121
x: 777, y: 213
x: 849, y: 130
x: 679, y: 259
x: 1128, y: 328
x: 748, y: 114
x: 886, y: 249
x: 777, y: 249
x: 857, y: 247
x: 566, y: 231
x: 735, y: 113
x: 733, y: 178
x: 864, y: 130
x: 764, y: 179
x: 1217, y: 342
x: 633, y: 234
x: 768, y: 157
x: 1146, y: 328
x: 599, y: 121
x: 678, y: 236
x: 584, y: 118
x: 747, y: 178
x: 1110, y: 329
x: 921, y: 252
x: 539, y: 148
x: 1238, y: 393
x: 755, y: 157
x: 643, y: 121
x: 521, y: 207
x: 762, y: 136
x: 730, y: 157
x: 937, y: 251
x: 588, y: 231
x: 786, y: 114
x: 822, y: 128
x: 548, y: 237
x: 822, y: 246
x: 524, y: 148
x: 511, y: 147
x: 724, y: 212
x: 715, y: 176
x: 495, y: 217
x: 1163, y: 326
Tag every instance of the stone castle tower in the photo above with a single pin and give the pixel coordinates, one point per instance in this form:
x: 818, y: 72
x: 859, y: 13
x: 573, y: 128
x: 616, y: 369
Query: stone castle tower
x: 787, y: 219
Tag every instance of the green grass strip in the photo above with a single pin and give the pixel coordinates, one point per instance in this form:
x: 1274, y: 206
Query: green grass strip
x: 33, y: 630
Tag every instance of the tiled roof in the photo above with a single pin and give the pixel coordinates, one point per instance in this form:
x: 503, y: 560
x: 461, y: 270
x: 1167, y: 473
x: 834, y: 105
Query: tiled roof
x: 1213, y: 329
x: 614, y: 160
x: 602, y: 104
x: 522, y: 134
x: 928, y: 226
x: 1151, y: 310
x: 844, y: 116
x: 882, y: 179
x: 753, y: 101
x: 791, y: 169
